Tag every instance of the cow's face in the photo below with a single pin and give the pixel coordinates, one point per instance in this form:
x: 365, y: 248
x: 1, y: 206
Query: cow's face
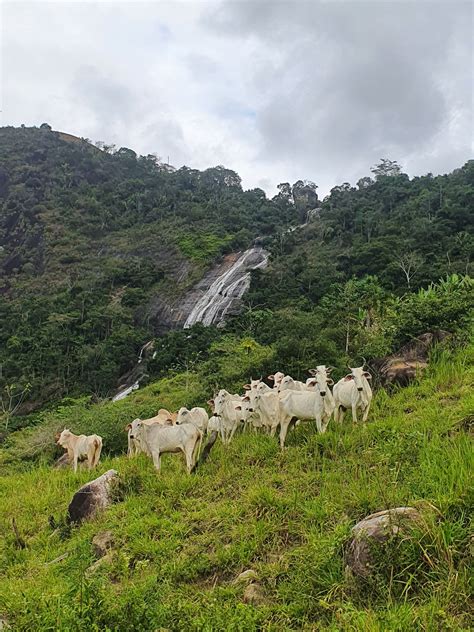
x: 322, y: 378
x: 357, y: 374
x: 135, y: 428
x: 287, y: 383
x: 63, y: 437
x: 182, y: 416
x: 276, y: 378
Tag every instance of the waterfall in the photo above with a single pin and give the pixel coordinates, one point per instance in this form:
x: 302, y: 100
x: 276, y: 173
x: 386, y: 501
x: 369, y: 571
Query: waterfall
x: 229, y: 287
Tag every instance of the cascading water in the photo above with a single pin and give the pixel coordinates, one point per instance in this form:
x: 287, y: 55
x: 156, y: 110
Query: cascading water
x: 228, y: 288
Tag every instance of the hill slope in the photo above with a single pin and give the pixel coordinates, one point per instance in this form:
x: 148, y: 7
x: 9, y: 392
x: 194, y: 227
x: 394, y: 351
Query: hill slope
x: 89, y: 239
x: 181, y: 540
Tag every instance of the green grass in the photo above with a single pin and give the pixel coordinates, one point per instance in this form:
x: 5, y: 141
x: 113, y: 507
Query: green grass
x: 181, y: 540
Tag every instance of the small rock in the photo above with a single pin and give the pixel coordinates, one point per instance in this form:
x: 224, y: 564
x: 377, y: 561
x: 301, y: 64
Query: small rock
x: 254, y: 595
x: 92, y: 497
x: 102, y: 543
x: 376, y: 528
x: 63, y: 461
x: 107, y: 559
x: 246, y: 577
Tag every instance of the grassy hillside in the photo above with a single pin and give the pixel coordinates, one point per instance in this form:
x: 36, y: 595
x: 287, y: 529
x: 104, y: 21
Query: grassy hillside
x: 181, y: 540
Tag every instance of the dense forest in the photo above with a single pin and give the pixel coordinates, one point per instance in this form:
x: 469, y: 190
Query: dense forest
x: 89, y: 234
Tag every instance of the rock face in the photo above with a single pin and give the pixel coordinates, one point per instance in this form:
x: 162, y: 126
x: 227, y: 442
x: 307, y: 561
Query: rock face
x: 373, y: 530
x: 217, y: 295
x: 91, y: 498
x: 409, y: 361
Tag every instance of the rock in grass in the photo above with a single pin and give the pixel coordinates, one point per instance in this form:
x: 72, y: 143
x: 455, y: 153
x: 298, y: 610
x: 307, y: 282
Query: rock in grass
x: 102, y: 543
x: 254, y: 595
x: 373, y: 530
x: 246, y: 577
x: 63, y: 462
x: 91, y: 498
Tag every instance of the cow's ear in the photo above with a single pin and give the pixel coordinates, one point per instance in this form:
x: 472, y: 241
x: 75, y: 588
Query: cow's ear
x: 271, y: 378
x: 367, y: 375
x: 247, y: 387
x: 330, y: 382
x: 238, y: 408
x: 128, y: 427
x: 168, y: 422
x: 210, y: 402
x: 312, y: 371
x: 348, y: 377
x: 246, y: 398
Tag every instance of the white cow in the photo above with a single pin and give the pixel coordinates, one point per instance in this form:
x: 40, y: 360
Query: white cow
x: 353, y: 391
x: 77, y: 446
x: 302, y: 405
x: 163, y: 418
x: 214, y: 425
x: 155, y: 440
x: 224, y: 406
x: 289, y: 384
x: 197, y: 416
x: 267, y: 404
x: 320, y: 382
x: 276, y: 378
x: 249, y: 415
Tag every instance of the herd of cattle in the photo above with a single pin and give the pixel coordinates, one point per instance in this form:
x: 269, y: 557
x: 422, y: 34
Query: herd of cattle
x: 261, y: 407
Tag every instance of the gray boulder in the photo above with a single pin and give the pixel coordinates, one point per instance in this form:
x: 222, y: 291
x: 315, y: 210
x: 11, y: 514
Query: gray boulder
x: 373, y: 530
x: 92, y: 497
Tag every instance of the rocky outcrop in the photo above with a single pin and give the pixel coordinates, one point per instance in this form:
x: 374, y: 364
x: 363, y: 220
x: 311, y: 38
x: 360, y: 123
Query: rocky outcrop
x: 373, y: 531
x: 409, y: 361
x: 217, y: 295
x: 92, y: 498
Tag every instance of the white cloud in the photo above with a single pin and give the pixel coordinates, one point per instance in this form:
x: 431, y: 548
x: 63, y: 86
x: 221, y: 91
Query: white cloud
x: 276, y: 91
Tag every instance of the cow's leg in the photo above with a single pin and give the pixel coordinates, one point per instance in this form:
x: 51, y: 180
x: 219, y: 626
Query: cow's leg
x: 188, y: 454
x: 354, y: 413
x: 283, y: 430
x: 319, y: 425
x: 74, y: 464
x: 156, y: 456
x: 366, y: 413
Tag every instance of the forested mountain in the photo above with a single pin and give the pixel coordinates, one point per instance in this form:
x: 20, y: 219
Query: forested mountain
x: 89, y: 234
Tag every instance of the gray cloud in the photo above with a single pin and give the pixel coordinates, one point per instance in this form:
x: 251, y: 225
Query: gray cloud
x: 277, y: 91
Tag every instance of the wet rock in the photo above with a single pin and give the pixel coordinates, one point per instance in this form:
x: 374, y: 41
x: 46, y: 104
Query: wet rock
x: 102, y: 543
x: 246, y: 577
x: 254, y: 595
x: 92, y: 497
x: 373, y: 530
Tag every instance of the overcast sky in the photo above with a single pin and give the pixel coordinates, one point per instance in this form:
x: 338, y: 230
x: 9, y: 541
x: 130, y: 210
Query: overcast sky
x: 277, y: 91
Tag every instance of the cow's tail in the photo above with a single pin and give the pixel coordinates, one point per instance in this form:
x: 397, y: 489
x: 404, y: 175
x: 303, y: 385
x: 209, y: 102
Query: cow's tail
x: 97, y: 450
x: 197, y: 449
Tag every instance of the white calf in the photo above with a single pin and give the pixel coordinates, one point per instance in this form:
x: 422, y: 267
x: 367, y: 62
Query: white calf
x: 78, y: 446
